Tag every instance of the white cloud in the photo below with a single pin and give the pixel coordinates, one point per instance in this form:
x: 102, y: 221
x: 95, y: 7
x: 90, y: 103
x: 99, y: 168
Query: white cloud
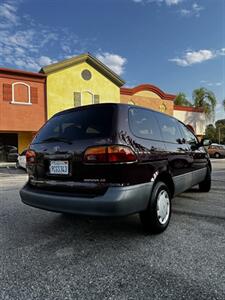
x: 197, y: 8
x: 167, y: 2
x: 113, y: 61
x: 222, y: 51
x: 209, y: 83
x: 194, y: 10
x: 173, y: 2
x: 194, y: 57
x: 30, y: 45
x: 45, y: 60
x: 187, y: 11
x: 8, y: 14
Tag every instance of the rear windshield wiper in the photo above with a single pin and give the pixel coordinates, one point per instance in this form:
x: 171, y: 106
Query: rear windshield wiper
x: 56, y: 139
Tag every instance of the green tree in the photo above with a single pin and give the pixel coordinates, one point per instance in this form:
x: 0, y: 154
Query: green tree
x: 205, y: 99
x: 223, y: 104
x: 220, y: 131
x: 181, y: 99
x: 210, y: 133
x: 216, y: 133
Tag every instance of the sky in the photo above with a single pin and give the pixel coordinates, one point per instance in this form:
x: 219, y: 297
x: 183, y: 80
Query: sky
x: 177, y: 45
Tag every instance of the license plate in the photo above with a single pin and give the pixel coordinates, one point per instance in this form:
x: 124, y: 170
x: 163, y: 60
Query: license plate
x: 59, y: 167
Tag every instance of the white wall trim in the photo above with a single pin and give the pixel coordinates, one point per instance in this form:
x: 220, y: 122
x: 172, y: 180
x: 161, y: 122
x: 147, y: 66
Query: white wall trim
x: 89, y: 92
x: 13, y: 94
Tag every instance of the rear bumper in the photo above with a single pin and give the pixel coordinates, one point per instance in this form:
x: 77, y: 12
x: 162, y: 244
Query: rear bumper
x: 117, y: 201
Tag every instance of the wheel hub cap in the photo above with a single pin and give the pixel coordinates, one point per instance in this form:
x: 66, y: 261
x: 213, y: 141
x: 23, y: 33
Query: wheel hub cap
x: 163, y: 207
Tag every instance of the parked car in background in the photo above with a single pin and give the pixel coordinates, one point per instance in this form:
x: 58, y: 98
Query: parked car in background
x: 11, y: 153
x: 114, y: 160
x: 21, y: 160
x: 216, y: 150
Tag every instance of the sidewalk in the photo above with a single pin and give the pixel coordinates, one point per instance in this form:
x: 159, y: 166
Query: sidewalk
x: 7, y: 165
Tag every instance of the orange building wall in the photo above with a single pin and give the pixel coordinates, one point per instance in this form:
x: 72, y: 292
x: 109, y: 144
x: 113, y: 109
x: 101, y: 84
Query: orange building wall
x: 152, y: 103
x: 21, y: 117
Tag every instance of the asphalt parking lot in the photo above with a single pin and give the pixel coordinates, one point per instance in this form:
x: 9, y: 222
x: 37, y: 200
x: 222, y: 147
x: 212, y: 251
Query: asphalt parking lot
x: 45, y: 255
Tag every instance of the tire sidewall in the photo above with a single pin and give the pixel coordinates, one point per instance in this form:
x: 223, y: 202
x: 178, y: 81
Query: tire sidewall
x: 149, y: 217
x: 205, y: 185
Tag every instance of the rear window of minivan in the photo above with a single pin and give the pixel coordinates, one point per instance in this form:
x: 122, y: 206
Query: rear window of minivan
x: 84, y: 123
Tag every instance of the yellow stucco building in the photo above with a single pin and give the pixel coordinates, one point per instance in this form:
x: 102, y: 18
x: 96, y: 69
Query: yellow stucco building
x: 80, y: 80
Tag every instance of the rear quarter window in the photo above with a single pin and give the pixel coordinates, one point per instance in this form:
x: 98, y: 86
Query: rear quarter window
x: 143, y: 124
x: 169, y: 128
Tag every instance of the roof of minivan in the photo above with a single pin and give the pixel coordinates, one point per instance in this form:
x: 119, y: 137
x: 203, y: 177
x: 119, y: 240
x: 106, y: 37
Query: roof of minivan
x: 110, y: 104
x: 113, y: 104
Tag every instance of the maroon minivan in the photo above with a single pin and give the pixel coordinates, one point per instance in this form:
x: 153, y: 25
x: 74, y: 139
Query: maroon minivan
x: 114, y: 160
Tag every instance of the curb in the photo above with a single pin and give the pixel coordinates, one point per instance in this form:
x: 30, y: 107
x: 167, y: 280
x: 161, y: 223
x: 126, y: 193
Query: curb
x: 8, y: 165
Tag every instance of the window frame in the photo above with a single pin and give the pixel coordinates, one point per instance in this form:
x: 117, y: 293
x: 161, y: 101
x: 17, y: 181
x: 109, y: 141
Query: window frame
x: 93, y: 97
x: 13, y: 93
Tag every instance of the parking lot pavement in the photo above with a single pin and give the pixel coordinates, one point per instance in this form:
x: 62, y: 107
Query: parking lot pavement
x: 45, y: 255
x: 212, y: 204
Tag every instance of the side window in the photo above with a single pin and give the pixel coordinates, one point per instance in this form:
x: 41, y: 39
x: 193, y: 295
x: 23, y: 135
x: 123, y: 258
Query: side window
x: 143, y: 124
x: 189, y: 137
x: 169, y: 128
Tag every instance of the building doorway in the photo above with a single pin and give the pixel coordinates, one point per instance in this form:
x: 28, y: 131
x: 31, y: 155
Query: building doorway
x: 8, y: 147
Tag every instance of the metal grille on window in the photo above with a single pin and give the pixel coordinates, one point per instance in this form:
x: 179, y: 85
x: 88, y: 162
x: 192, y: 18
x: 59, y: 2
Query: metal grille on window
x: 77, y: 99
x: 96, y: 99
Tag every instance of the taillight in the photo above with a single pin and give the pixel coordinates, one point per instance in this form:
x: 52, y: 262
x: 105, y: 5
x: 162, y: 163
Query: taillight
x: 30, y: 156
x: 109, y: 154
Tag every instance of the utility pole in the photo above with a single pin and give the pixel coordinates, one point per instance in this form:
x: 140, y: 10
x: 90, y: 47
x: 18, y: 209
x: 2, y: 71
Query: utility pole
x: 219, y: 133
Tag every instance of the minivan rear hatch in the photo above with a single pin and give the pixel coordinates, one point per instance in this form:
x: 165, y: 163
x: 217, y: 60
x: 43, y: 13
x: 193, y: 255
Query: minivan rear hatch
x: 60, y: 145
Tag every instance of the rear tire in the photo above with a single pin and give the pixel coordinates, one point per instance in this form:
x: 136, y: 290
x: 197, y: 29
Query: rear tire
x: 156, y: 217
x: 205, y: 185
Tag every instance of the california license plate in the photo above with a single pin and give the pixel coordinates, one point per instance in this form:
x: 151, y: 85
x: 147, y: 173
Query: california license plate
x: 59, y: 167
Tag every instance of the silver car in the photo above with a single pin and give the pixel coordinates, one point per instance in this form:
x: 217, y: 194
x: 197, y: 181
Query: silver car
x: 21, y: 160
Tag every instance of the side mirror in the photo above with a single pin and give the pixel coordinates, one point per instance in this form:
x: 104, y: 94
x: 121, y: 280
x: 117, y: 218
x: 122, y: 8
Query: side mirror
x: 205, y: 142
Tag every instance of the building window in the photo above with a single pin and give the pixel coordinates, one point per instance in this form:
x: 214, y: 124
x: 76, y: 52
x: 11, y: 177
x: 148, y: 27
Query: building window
x: 85, y: 98
x: 86, y: 74
x: 77, y: 99
x: 96, y: 99
x: 21, y: 93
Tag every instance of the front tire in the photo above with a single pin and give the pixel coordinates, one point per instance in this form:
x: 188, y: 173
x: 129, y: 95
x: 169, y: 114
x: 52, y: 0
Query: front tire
x: 156, y: 217
x: 217, y: 155
x: 205, y: 185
